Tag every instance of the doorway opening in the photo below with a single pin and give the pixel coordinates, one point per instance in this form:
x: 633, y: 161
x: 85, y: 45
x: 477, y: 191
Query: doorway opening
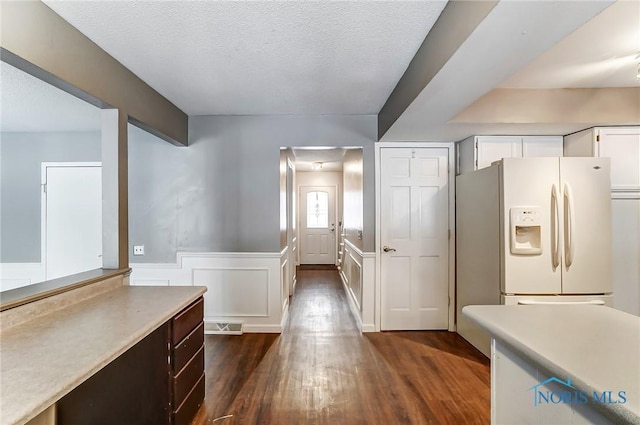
x: 320, y: 202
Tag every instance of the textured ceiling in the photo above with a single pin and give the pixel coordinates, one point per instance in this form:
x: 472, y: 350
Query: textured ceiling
x: 332, y: 159
x: 267, y: 57
x: 28, y: 104
x: 323, y: 57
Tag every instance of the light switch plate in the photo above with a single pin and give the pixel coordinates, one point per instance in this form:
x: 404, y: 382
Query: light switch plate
x: 138, y: 250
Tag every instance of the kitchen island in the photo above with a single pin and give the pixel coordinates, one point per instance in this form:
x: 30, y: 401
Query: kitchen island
x: 562, y: 364
x: 98, y: 353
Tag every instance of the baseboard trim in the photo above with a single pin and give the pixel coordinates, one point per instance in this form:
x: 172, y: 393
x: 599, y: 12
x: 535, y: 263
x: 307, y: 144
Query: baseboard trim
x: 262, y: 329
x: 370, y: 327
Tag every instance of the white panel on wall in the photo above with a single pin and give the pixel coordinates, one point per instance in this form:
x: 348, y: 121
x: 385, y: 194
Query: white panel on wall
x: 234, y: 292
x: 359, y: 283
x: 8, y: 284
x: 242, y: 287
x: 355, y: 281
x: 284, y: 273
x: 17, y: 275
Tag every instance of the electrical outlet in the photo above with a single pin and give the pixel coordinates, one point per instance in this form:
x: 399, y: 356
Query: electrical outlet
x: 138, y: 250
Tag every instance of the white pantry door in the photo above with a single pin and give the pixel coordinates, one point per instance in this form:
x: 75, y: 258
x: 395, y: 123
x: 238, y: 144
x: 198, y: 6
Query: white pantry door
x: 72, y: 219
x: 415, y: 238
x: 317, y: 225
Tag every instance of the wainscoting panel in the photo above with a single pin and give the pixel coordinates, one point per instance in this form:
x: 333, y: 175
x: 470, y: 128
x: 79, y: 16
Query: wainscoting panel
x: 17, y: 275
x: 358, y: 278
x: 355, y: 279
x: 235, y: 292
x: 285, y: 273
x: 244, y: 287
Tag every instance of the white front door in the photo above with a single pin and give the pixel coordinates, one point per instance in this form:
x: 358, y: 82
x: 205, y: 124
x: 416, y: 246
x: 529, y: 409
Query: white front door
x: 72, y: 218
x: 414, y: 236
x: 317, y: 225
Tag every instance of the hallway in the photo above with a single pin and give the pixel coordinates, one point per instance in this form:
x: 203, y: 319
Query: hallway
x: 321, y: 370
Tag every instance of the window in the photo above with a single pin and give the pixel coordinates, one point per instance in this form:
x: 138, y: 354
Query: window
x: 317, y: 210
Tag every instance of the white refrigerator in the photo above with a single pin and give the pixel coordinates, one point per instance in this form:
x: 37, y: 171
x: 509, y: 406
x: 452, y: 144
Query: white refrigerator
x: 531, y: 231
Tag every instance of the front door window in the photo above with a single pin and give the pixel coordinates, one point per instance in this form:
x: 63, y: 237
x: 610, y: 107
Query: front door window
x: 317, y: 210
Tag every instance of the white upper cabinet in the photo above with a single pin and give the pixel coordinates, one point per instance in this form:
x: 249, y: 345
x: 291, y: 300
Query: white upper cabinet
x: 480, y: 151
x: 621, y: 144
x: 489, y: 149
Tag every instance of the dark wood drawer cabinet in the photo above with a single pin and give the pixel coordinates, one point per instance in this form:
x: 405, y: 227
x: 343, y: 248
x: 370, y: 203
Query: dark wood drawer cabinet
x: 187, y: 320
x: 187, y: 348
x: 140, y: 386
x: 187, y: 362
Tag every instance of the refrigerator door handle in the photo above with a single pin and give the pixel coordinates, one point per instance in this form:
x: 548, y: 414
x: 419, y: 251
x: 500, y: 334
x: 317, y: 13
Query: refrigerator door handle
x: 569, y: 230
x: 534, y: 302
x: 556, y: 257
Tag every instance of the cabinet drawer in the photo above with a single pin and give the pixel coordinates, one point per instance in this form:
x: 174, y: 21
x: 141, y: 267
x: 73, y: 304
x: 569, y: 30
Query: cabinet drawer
x: 185, y: 321
x: 188, y: 377
x: 186, y: 348
x: 187, y: 410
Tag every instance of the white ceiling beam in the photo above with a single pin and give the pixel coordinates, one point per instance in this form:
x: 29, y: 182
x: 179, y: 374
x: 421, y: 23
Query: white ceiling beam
x: 454, y: 25
x: 38, y: 41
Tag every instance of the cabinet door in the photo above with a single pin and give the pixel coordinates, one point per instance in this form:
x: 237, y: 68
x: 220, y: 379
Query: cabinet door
x: 622, y: 145
x: 132, y: 389
x: 537, y: 146
x: 494, y: 148
x: 625, y: 219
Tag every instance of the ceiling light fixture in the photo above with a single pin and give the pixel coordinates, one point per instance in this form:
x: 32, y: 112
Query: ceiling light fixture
x: 316, y: 166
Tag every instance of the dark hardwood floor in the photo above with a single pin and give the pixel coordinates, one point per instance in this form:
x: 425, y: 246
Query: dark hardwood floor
x: 321, y: 370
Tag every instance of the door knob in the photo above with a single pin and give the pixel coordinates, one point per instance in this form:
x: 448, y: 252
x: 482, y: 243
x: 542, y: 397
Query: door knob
x: 388, y: 249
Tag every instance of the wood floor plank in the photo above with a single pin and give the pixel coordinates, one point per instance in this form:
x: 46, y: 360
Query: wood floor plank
x: 322, y: 370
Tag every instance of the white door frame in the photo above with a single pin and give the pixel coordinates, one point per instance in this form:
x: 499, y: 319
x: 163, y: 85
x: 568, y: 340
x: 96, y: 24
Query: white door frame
x: 43, y: 203
x: 450, y: 146
x: 335, y: 215
x: 292, y: 239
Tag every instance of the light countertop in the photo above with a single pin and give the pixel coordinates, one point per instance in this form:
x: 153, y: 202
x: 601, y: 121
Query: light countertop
x: 46, y: 358
x: 598, y: 347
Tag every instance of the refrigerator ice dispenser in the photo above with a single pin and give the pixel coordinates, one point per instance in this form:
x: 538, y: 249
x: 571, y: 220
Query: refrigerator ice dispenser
x: 526, y: 230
